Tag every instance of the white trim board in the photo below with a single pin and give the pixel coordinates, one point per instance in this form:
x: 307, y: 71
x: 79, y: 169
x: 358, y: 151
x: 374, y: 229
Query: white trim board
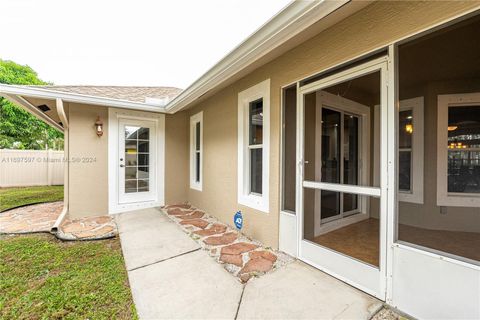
x: 114, y: 115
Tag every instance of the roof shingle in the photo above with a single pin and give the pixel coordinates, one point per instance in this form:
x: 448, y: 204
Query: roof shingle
x: 135, y: 94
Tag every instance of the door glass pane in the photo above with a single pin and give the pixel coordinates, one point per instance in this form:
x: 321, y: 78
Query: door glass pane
x: 137, y: 159
x: 350, y: 159
x: 255, y: 120
x: 350, y: 150
x: 350, y: 203
x: 143, y: 146
x: 256, y: 170
x: 330, y: 146
x: 130, y: 186
x: 130, y: 172
x: 330, y: 204
x: 143, y: 185
x: 404, y: 170
x: 143, y: 134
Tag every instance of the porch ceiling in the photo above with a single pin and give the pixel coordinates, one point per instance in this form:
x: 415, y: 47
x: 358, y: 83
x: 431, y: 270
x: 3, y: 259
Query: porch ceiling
x: 43, y: 109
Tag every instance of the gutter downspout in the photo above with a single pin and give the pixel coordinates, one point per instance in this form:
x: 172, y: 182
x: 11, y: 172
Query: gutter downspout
x: 66, y: 165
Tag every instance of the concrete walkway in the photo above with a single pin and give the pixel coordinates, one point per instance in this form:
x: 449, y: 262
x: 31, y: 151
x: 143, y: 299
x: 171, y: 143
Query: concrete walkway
x: 171, y: 277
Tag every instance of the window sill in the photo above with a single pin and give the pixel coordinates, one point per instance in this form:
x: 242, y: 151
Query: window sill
x: 410, y: 197
x: 255, y: 202
x: 197, y: 187
x: 458, y: 200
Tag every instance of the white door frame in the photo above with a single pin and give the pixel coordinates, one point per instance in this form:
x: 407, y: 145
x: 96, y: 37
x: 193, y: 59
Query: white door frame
x: 363, y: 276
x: 156, y: 198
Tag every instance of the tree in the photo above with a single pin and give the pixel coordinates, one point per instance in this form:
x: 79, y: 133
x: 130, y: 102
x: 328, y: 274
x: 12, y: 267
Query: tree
x: 18, y: 128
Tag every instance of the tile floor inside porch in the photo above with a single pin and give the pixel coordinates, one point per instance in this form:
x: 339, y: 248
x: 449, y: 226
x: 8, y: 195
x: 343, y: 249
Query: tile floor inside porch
x: 361, y: 240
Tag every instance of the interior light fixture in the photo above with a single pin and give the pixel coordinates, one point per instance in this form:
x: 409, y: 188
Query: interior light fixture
x: 452, y: 128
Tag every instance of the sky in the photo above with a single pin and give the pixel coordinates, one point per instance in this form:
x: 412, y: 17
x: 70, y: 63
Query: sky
x: 136, y: 42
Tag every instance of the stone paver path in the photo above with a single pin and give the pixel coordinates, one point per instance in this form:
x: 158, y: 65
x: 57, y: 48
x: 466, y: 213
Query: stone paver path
x: 240, y: 255
x: 88, y: 228
x: 42, y: 217
x: 173, y: 276
x: 33, y: 218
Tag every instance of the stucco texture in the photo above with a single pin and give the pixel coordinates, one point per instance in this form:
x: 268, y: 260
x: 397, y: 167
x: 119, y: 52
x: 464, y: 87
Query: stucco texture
x: 377, y: 25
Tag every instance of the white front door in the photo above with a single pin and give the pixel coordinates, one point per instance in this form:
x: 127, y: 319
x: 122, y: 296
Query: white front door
x: 341, y: 197
x: 136, y: 161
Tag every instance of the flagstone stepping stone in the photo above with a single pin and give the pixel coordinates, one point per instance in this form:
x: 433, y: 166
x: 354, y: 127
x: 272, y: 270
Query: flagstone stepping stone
x: 245, y: 277
x: 235, y: 259
x: 181, y: 206
x: 263, y: 254
x: 101, y: 220
x: 73, y: 227
x: 199, y: 223
x: 85, y: 234
x: 195, y: 215
x: 177, y: 212
x: 224, y: 239
x: 238, y: 248
x: 257, y: 265
x: 216, y: 228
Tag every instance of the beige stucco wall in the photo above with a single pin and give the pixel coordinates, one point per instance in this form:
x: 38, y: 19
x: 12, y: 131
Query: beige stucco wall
x: 176, y: 157
x: 374, y: 26
x: 88, y: 172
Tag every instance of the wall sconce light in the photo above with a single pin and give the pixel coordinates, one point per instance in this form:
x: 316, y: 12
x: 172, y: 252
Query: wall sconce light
x: 99, y: 127
x: 409, y: 128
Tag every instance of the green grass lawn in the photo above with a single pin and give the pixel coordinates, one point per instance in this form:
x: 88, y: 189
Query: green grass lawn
x: 44, y: 278
x: 14, y: 197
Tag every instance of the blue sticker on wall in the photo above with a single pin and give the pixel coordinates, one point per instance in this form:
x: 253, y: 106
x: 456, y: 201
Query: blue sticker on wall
x: 238, y: 220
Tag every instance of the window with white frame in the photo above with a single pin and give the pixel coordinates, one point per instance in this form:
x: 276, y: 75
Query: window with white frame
x: 458, y: 150
x: 196, y: 151
x: 253, y: 146
x: 410, y: 150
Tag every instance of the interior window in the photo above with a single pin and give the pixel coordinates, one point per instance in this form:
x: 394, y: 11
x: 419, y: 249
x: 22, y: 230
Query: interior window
x: 405, y: 131
x: 464, y: 149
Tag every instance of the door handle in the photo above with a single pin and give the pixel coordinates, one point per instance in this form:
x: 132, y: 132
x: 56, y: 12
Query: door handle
x: 122, y: 165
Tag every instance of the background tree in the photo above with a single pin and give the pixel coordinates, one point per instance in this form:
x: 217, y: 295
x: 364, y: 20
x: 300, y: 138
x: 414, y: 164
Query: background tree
x: 18, y: 128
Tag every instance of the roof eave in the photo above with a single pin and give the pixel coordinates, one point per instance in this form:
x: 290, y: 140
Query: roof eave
x: 23, y: 91
x: 295, y: 18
